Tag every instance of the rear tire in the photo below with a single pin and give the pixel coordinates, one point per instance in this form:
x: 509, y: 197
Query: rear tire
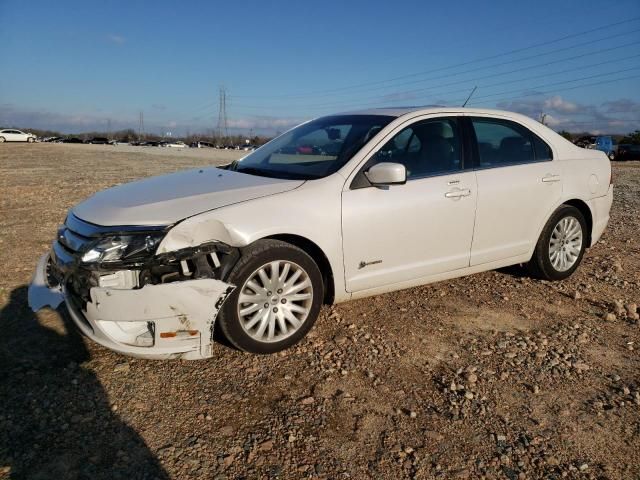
x: 2, y: 140
x: 268, y: 312
x: 561, y: 245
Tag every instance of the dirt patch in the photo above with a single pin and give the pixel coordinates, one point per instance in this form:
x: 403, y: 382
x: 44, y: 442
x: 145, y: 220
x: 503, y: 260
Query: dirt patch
x: 494, y: 375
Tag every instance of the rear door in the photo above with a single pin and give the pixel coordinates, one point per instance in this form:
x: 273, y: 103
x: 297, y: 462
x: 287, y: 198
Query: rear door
x: 518, y: 184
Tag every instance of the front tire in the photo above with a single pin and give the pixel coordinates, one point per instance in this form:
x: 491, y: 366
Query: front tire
x: 2, y: 139
x: 561, y: 245
x: 277, y: 299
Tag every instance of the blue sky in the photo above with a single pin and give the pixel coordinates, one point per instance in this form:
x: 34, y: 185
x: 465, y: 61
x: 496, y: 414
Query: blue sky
x: 78, y: 65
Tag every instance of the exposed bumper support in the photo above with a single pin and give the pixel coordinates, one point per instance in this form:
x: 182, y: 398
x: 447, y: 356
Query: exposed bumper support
x: 171, y: 320
x: 40, y: 294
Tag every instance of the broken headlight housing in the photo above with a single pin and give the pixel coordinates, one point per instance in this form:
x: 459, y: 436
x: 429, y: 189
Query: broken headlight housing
x: 122, y: 247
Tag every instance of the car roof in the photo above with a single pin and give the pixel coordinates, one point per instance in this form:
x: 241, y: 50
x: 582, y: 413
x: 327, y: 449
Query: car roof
x: 398, y: 112
x: 428, y: 109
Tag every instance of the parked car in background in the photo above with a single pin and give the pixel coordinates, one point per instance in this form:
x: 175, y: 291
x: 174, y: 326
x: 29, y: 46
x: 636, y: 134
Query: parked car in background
x: 118, y: 142
x: 586, y: 142
x: 99, y: 141
x: 71, y: 140
x: 605, y: 144
x: 409, y: 196
x: 13, y: 135
x: 201, y: 145
x: 628, y: 151
x: 173, y: 144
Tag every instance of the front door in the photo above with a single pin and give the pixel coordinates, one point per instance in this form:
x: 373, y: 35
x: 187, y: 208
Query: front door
x: 424, y: 227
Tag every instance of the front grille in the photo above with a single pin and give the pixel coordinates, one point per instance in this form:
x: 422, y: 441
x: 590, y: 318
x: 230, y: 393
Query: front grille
x: 79, y: 284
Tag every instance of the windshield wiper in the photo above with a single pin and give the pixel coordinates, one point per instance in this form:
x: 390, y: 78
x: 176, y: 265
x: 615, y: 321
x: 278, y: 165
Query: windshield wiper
x: 275, y: 174
x: 256, y: 171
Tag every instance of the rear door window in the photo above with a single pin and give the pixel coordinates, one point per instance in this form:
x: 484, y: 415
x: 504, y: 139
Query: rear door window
x: 501, y: 143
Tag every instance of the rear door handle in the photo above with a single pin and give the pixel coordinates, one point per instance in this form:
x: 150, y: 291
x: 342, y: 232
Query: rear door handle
x: 458, y: 192
x: 551, y: 178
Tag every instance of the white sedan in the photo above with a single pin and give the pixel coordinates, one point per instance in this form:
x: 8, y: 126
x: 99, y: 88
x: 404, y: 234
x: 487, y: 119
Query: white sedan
x: 340, y: 207
x: 13, y: 135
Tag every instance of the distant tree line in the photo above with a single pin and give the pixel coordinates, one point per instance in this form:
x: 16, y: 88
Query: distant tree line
x: 130, y: 135
x: 633, y: 138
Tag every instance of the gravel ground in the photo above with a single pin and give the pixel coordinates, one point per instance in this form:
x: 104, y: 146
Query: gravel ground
x: 490, y: 376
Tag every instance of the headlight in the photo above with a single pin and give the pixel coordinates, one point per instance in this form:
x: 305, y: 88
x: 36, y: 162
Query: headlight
x: 116, y: 248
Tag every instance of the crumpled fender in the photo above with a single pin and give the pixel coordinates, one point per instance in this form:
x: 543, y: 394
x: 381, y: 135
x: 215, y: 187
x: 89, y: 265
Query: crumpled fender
x: 198, y: 230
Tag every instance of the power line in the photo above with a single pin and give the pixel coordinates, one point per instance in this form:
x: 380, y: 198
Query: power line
x: 549, y: 42
x: 376, y: 99
x: 530, y: 67
x: 536, y: 93
x: 448, y: 83
x: 560, y: 83
x: 449, y: 67
x: 449, y: 75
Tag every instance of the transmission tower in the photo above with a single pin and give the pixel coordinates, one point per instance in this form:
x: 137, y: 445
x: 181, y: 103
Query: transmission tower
x: 141, y: 126
x: 221, y: 129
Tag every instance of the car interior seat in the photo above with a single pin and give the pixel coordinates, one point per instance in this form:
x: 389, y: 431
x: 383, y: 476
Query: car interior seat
x: 436, y: 152
x: 515, y: 150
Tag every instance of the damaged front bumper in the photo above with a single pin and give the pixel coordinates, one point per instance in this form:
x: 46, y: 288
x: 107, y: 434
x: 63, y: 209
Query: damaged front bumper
x: 156, y: 321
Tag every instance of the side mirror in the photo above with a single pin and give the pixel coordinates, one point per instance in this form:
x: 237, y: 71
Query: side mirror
x: 387, y: 173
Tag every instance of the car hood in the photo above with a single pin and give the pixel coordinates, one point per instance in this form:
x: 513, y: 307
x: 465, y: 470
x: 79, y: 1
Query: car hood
x: 166, y: 199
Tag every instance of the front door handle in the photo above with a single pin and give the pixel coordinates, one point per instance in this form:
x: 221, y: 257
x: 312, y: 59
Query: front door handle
x: 458, y: 192
x: 551, y: 178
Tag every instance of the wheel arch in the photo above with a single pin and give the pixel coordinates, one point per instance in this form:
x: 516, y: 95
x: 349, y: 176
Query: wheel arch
x: 578, y: 203
x: 583, y: 207
x: 318, y: 256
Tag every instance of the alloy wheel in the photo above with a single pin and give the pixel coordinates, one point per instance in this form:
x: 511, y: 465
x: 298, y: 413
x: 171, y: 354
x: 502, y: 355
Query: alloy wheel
x: 565, y: 244
x: 275, y: 301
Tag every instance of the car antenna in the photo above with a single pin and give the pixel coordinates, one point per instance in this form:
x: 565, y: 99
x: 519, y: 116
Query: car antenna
x: 469, y: 97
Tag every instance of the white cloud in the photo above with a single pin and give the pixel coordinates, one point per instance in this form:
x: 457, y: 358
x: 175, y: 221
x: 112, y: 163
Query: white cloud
x: 623, y: 105
x: 558, y: 104
x: 116, y: 39
x: 12, y: 116
x: 616, y: 116
x: 263, y: 123
x: 552, y: 121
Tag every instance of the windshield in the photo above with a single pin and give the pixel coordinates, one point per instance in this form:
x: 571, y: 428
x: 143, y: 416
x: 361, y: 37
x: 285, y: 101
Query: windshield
x: 313, y: 150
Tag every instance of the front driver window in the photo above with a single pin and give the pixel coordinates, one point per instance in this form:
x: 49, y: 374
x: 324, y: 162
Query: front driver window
x: 426, y: 148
